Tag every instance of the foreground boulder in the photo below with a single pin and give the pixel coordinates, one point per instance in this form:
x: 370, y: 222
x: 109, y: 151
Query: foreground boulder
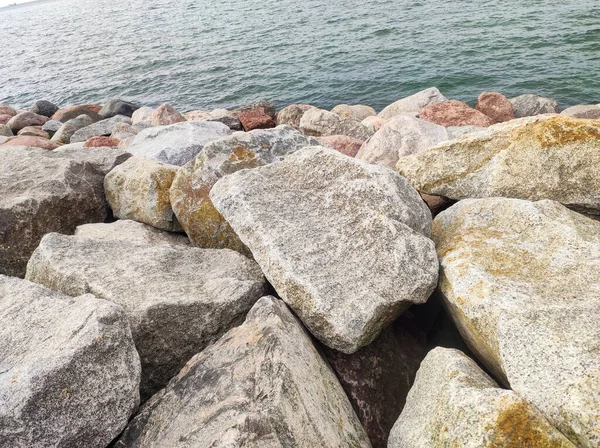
x: 102, y: 128
x: 496, y: 106
x: 356, y: 112
x: 262, y: 384
x: 292, y: 114
x: 46, y: 191
x: 344, y: 243
x: 176, y: 144
x: 454, y: 113
x: 321, y: 123
x: 69, y: 372
x: 548, y: 158
x: 530, y: 105
x: 131, y: 231
x: 30, y: 141
x: 453, y: 403
x: 399, y: 137
x: 521, y: 280
x: 25, y: 119
x: 178, y: 299
x: 139, y: 189
x: 413, y: 104
x: 192, y: 184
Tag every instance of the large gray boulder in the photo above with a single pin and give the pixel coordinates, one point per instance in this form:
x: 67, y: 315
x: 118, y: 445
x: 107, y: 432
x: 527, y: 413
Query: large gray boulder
x: 401, y: 136
x: 118, y: 107
x: 69, y: 372
x: 44, y: 108
x: 99, y: 129
x: 46, y: 191
x: 68, y: 129
x: 321, y: 123
x: 344, y: 243
x: 522, y: 282
x: 131, y: 231
x: 241, y: 150
x: 530, y: 105
x: 453, y: 403
x: 263, y: 384
x: 413, y: 104
x: 178, y: 299
x: 176, y: 144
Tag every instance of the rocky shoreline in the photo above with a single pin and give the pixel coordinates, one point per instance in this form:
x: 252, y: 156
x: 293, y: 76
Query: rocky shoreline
x: 425, y: 276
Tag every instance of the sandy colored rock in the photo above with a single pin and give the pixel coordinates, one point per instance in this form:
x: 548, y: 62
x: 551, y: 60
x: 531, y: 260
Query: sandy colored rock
x: 91, y: 110
x: 530, y: 105
x: 142, y: 115
x: 34, y: 131
x: 454, y: 113
x: 496, y: 106
x: 356, y: 112
x: 131, y: 231
x: 459, y: 131
x: 263, y: 384
x: 321, y: 123
x: 196, y: 115
x: 100, y: 142
x: 25, y: 119
x: 521, y: 281
x: 413, y: 104
x: 591, y: 111
x: 453, y: 403
x: 292, y: 114
x: 374, y: 123
x: 342, y: 143
x: 166, y: 114
x: 343, y: 242
x: 31, y: 142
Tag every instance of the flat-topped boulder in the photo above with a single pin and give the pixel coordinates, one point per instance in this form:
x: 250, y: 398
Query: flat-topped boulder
x: 262, y: 384
x: 178, y: 299
x: 413, y: 104
x: 590, y: 111
x: 321, y: 123
x: 549, y: 157
x: 118, y: 107
x: 521, y: 281
x: 25, y: 119
x: 31, y: 142
x: 344, y: 243
x: 131, y: 231
x: 102, y: 128
x: 69, y: 372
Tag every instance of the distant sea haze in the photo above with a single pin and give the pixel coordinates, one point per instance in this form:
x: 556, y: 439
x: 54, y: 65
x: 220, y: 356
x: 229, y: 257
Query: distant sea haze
x: 205, y: 55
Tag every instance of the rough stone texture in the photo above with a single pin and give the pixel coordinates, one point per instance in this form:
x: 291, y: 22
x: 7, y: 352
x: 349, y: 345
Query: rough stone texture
x: 67, y: 114
x: 530, y: 105
x: 268, y: 107
x: 142, y: 115
x: 102, y: 128
x: 454, y: 113
x: 342, y: 143
x: 122, y: 131
x: 166, y: 114
x: 196, y: 115
x: 67, y: 130
x: 453, y: 403
x: 321, y: 123
x: 357, y: 112
x: 5, y: 131
x: 178, y: 299
x: 102, y: 142
x: 399, y: 137
x: 139, y: 189
x: 118, y: 107
x: 263, y: 384
x: 3, y: 139
x: 4, y: 119
x: 374, y: 123
x: 30, y: 141
x: 25, y: 119
x: 552, y: 157
x: 190, y: 191
x: 230, y: 119
x: 521, y: 280
x: 436, y: 204
x: 51, y: 127
x: 413, y: 104
x: 34, y: 131
x: 176, y: 144
x: 377, y: 378
x: 256, y: 118
x: 591, y: 111
x: 459, y: 131
x: 292, y: 114
x: 45, y: 108
x: 496, y: 106
x: 131, y: 231
x: 7, y: 110
x: 69, y: 372
x: 47, y: 191
x: 344, y: 243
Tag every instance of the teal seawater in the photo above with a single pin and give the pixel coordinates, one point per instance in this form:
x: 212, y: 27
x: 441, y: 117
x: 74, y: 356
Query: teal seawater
x: 208, y: 54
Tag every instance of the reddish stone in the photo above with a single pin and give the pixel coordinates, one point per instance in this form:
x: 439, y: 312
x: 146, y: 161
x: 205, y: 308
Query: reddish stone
x: 454, y: 113
x: 436, y: 204
x: 31, y: 141
x: 348, y: 146
x: 35, y: 131
x: 4, y: 119
x: 496, y: 106
x: 25, y: 119
x: 256, y: 118
x: 91, y: 110
x: 7, y: 110
x: 99, y: 142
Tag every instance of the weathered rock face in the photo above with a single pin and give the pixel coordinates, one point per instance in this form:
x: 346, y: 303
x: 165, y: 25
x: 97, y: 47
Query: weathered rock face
x: 266, y: 105
x: 197, y: 115
x: 34, y: 131
x: 122, y: 131
x: 5, y: 109
x: 166, y: 114
x: 176, y: 144
x: 521, y: 281
x: 4, y: 119
x: 591, y: 111
x: 342, y: 143
x: 262, y: 384
x: 69, y: 370
x: 377, y: 378
x: 31, y: 142
x: 321, y: 123
x: 454, y: 403
x: 548, y: 158
x: 142, y: 115
x: 45, y: 108
x: 454, y: 113
x: 344, y: 243
x: 51, y: 127
x: 178, y: 299
x: 101, y: 142
x: 356, y: 112
x: 5, y: 131
x: 46, y: 191
x: 139, y: 189
x: 131, y: 231
x: 292, y: 114
x: 458, y: 131
x: 102, y: 128
x: 67, y: 130
x: 69, y: 113
x: 399, y: 137
x: 496, y: 106
x: 257, y: 118
x: 25, y: 119
x: 228, y: 118
x: 191, y: 187
x: 413, y: 104
x: 118, y: 107
x: 374, y: 123
x: 530, y: 105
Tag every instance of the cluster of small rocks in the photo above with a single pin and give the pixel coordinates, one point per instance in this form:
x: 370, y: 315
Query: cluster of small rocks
x: 425, y: 276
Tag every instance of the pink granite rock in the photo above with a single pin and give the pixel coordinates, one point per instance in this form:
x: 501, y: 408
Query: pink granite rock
x: 4, y: 119
x: 256, y: 118
x: 91, y: 110
x: 35, y: 131
x: 25, y: 119
x: 454, y: 113
x: 496, y: 106
x: 31, y: 141
x: 348, y: 146
x: 5, y: 109
x: 99, y: 142
x: 166, y: 114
